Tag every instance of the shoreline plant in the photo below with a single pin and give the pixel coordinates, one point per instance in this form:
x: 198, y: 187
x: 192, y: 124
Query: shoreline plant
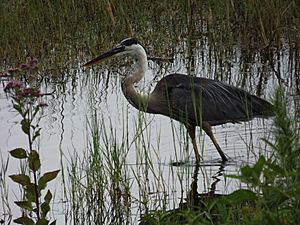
x: 273, y: 185
x: 26, y: 100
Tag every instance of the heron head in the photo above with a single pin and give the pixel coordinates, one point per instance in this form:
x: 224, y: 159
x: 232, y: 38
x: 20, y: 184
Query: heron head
x: 128, y: 46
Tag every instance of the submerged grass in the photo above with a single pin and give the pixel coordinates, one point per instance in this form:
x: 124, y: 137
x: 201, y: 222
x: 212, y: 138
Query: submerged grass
x: 5, y: 205
x: 62, y: 32
x: 99, y: 180
x: 273, y: 196
x: 120, y: 177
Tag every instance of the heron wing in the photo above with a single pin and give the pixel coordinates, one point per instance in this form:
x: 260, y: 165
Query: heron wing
x: 192, y: 100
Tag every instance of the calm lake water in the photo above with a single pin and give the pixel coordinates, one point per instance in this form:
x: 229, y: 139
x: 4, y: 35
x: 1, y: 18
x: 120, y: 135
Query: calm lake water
x: 84, y: 93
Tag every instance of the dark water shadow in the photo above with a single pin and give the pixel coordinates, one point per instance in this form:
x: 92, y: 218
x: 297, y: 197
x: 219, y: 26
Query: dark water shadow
x: 206, y: 163
x: 194, y: 198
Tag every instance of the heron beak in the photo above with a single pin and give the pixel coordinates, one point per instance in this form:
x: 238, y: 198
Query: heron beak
x: 105, y: 55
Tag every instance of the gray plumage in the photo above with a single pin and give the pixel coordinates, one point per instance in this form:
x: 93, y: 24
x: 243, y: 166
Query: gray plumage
x: 192, y: 100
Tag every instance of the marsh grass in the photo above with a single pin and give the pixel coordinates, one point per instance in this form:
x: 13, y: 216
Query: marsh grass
x: 106, y: 186
x: 272, y: 196
x: 63, y: 34
x: 60, y: 33
x: 6, y: 214
x: 99, y: 180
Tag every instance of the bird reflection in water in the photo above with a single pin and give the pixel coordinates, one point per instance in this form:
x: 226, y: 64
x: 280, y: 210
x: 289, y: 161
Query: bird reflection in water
x: 196, y: 200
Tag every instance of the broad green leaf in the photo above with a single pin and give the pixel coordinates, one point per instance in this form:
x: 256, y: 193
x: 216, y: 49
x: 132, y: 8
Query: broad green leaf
x: 24, y: 220
x: 247, y: 171
x: 45, y: 209
x: 30, y: 193
x: 24, y: 205
x: 48, y: 196
x: 42, y: 221
x: 42, y: 183
x: 252, y: 174
x: 259, y: 165
x: 18, y: 153
x: 276, y: 168
x: 240, y: 196
x: 25, y: 126
x: 34, y: 161
x: 249, y: 175
x: 21, y: 179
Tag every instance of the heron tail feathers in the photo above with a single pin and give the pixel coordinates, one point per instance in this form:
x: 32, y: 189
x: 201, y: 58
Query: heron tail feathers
x: 261, y: 107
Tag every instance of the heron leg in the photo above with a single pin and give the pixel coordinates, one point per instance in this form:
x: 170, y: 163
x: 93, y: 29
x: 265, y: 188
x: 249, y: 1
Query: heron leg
x: 191, y: 131
x: 207, y: 128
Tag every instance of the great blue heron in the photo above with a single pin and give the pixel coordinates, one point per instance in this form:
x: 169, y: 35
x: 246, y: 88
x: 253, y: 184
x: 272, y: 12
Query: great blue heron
x: 191, y: 100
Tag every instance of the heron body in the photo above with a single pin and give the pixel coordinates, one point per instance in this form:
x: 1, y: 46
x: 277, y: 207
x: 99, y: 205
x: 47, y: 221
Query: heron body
x: 193, y: 101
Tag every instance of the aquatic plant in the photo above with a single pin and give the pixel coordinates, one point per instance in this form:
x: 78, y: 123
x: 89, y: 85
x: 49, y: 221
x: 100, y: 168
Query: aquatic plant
x: 273, y: 184
x: 276, y: 180
x: 35, y: 205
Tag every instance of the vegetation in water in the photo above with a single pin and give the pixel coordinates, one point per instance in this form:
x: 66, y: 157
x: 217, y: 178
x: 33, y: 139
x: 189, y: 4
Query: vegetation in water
x: 35, y: 205
x: 100, y: 187
x: 253, y: 34
x: 272, y: 196
x: 57, y: 31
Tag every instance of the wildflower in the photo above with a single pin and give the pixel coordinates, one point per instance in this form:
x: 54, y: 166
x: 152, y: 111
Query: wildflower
x: 13, y: 70
x: 24, y: 66
x: 4, y: 74
x: 14, y: 84
x: 30, y: 92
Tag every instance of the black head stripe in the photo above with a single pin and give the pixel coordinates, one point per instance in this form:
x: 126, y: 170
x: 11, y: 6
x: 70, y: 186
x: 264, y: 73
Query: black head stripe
x: 129, y: 41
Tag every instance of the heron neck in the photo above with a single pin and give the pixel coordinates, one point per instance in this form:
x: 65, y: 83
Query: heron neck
x: 140, y: 66
x: 138, y: 100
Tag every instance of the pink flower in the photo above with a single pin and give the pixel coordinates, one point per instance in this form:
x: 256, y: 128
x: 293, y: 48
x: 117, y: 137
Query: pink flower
x: 14, y: 84
x: 13, y: 70
x: 30, y: 92
x: 4, y: 74
x: 24, y: 66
